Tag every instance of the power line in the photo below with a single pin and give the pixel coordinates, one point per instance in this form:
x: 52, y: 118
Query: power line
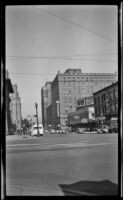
x: 61, y: 58
x: 77, y: 25
x: 40, y: 74
x: 89, y: 54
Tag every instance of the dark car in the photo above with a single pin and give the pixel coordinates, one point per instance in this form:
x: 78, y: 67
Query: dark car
x: 113, y: 129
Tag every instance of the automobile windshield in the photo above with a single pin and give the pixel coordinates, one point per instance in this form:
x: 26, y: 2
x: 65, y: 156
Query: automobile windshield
x: 37, y: 127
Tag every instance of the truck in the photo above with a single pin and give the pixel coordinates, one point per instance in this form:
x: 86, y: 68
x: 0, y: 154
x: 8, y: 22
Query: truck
x: 34, y: 130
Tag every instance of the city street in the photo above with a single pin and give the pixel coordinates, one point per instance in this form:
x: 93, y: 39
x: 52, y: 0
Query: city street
x: 41, y: 165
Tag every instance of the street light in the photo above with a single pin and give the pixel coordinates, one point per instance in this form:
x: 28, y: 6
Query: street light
x: 58, y: 110
x: 36, y: 106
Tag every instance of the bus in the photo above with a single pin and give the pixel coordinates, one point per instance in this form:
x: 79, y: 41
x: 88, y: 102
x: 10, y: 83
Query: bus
x: 34, y: 131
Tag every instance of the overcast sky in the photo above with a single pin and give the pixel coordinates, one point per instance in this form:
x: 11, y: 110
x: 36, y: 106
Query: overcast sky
x: 40, y: 40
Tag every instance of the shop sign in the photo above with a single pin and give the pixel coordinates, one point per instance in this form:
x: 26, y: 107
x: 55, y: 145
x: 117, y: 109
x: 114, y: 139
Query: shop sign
x: 84, y: 120
x: 100, y: 118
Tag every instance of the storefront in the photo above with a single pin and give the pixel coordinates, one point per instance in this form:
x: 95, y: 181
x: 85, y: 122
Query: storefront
x: 82, y: 119
x: 100, y: 121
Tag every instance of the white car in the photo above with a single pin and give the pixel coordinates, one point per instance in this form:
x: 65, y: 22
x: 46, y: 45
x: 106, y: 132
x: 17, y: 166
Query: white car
x: 105, y: 130
x: 35, y: 130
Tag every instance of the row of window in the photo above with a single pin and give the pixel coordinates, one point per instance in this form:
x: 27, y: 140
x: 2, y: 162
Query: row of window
x: 106, y: 109
x: 105, y: 97
x: 89, y: 78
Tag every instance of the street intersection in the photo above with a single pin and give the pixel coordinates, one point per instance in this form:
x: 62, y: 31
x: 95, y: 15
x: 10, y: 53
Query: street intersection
x: 39, y: 165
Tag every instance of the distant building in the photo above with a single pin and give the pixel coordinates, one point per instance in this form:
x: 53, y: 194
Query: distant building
x: 106, y: 103
x: 72, y: 85
x: 9, y: 90
x: 45, y: 101
x: 49, y: 116
x: 15, y: 108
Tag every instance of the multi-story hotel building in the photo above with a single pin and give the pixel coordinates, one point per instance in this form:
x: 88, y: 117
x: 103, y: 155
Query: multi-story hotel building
x: 106, y: 103
x: 45, y: 101
x: 15, y: 108
x: 72, y: 85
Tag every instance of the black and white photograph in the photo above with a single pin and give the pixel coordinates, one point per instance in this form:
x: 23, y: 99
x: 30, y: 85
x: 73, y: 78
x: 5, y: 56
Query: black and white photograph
x: 62, y: 100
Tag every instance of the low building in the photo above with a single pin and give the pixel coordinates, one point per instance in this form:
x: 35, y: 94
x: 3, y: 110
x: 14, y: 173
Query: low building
x: 83, y: 117
x: 106, y: 104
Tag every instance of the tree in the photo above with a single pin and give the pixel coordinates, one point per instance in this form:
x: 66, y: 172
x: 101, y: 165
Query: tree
x: 26, y: 123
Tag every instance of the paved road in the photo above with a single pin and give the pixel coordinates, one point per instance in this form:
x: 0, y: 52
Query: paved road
x: 37, y: 166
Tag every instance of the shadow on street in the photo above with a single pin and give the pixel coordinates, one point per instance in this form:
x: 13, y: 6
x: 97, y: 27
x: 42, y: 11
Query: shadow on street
x: 90, y: 188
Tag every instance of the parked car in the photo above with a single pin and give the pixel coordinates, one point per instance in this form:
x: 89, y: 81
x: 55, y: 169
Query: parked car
x: 80, y: 130
x: 105, y: 130
x: 99, y: 130
x: 113, y: 129
x: 53, y: 131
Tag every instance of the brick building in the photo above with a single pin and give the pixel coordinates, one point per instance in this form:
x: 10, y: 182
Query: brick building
x: 106, y: 103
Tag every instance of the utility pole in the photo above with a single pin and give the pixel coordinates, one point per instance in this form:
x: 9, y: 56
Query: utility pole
x: 36, y: 106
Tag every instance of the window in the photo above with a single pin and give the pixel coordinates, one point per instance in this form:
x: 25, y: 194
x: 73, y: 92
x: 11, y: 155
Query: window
x: 114, y: 94
x: 95, y: 102
x: 99, y: 100
x: 99, y: 110
x: 104, y: 97
x: 95, y: 111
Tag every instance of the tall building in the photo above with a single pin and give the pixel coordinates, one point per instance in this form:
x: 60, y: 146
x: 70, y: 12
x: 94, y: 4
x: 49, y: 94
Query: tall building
x: 72, y: 85
x: 45, y: 101
x: 15, y: 108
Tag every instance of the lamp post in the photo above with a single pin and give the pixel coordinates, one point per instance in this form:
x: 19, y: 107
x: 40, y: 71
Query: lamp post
x: 36, y: 106
x: 58, y: 111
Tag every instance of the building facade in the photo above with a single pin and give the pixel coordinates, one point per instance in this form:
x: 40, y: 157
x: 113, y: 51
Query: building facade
x: 72, y: 85
x: 49, y: 116
x: 9, y: 90
x: 15, y: 108
x: 106, y: 104
x: 45, y: 102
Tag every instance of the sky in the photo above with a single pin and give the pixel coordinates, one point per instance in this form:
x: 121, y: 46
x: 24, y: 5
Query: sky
x: 40, y: 40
